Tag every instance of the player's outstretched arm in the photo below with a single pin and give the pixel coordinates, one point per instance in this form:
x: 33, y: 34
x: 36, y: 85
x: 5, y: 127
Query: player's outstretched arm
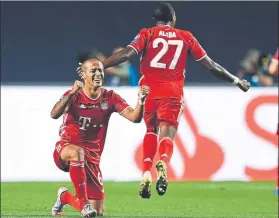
x: 119, y: 57
x: 222, y: 73
x: 60, y: 106
x: 135, y: 115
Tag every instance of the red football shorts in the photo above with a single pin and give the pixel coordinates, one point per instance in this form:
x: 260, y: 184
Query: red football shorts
x: 95, y: 186
x: 158, y: 112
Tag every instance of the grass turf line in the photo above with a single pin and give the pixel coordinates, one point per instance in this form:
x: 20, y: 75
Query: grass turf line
x: 183, y: 199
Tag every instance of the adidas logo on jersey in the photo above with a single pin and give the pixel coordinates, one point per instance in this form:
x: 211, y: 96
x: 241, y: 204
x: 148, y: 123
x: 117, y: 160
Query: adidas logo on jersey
x: 90, y: 106
x: 82, y: 106
x: 167, y: 34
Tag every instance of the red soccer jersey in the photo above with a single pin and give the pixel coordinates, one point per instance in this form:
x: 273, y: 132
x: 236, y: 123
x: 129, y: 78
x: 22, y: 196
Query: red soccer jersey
x: 163, y: 62
x: 276, y: 55
x: 86, y: 121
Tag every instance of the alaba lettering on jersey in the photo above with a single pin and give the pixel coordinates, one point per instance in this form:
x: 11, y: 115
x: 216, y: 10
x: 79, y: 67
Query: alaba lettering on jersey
x: 85, y: 121
x: 164, y: 53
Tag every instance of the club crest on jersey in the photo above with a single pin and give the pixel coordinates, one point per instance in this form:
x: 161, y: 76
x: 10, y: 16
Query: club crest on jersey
x: 104, y: 104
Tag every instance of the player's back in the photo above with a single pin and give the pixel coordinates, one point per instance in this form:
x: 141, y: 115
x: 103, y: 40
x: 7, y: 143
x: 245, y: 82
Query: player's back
x: 163, y: 62
x: 165, y: 53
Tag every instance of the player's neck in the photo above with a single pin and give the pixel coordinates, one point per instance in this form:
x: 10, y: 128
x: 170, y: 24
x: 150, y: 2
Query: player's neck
x: 93, y: 93
x: 163, y: 24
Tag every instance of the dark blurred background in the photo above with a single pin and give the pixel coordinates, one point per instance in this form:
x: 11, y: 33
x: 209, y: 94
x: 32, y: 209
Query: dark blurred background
x: 40, y: 40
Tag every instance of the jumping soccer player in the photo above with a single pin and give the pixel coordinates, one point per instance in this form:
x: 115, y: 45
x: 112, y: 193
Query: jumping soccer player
x: 164, y: 51
x: 87, y: 110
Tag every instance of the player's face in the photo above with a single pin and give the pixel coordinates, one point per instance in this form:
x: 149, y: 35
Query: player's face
x: 94, y: 74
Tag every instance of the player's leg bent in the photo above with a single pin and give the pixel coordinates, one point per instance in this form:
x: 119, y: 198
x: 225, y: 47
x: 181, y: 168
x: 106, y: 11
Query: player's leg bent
x: 149, y: 147
x: 72, y: 153
x: 169, y: 112
x: 150, y: 140
x: 74, y: 156
x: 59, y: 205
x: 95, y: 187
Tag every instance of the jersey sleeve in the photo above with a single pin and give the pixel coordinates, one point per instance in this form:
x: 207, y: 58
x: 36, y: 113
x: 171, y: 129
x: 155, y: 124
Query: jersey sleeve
x: 138, y: 43
x: 197, y: 52
x: 119, y: 104
x: 70, y: 102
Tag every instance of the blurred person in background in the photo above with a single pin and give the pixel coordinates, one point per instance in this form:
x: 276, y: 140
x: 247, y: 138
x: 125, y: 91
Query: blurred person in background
x: 273, y: 69
x: 254, y: 68
x: 122, y: 75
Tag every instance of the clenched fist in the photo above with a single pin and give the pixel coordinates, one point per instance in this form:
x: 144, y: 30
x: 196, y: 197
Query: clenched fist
x: 79, y: 72
x: 76, y: 87
x: 244, y: 85
x: 143, y: 92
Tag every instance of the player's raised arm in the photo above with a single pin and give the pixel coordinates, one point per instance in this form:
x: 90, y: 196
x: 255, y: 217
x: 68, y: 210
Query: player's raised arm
x: 222, y: 73
x: 135, y: 115
x: 61, y: 106
x: 135, y: 47
x: 199, y: 54
x: 119, y: 57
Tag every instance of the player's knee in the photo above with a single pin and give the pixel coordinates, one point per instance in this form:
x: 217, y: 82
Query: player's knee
x: 163, y: 135
x: 167, y: 132
x: 154, y: 130
x: 77, y: 154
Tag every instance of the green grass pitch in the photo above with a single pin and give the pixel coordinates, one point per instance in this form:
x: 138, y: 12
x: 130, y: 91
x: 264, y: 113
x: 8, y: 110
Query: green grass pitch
x: 184, y: 199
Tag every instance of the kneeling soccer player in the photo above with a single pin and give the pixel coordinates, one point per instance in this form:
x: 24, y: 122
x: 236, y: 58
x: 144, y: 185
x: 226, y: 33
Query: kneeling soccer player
x: 87, y: 110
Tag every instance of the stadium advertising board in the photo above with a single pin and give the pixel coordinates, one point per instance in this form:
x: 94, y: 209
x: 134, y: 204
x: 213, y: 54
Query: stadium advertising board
x: 224, y: 134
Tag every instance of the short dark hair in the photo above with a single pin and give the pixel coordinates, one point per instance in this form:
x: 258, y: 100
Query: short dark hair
x: 163, y: 12
x: 85, y: 56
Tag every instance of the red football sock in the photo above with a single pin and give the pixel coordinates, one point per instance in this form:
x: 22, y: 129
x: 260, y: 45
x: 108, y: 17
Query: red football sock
x: 165, y: 149
x: 78, y: 177
x: 149, y: 147
x: 68, y: 198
